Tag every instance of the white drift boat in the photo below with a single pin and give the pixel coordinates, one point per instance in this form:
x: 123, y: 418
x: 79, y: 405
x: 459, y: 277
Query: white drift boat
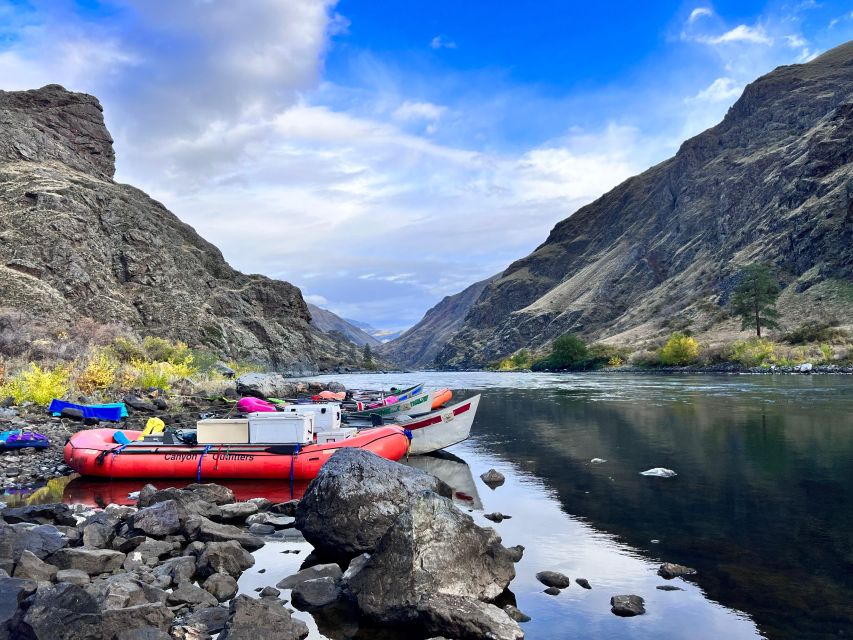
x: 443, y: 428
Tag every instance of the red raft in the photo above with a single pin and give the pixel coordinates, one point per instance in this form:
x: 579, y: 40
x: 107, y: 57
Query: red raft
x: 95, y: 453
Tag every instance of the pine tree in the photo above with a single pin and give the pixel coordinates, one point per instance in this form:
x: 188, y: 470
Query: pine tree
x: 754, y: 298
x: 367, y: 357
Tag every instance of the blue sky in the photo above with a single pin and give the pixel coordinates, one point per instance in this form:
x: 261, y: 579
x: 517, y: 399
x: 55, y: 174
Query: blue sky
x: 384, y: 155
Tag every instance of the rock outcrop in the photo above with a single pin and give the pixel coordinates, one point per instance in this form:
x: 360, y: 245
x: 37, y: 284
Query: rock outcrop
x: 772, y: 182
x: 74, y: 243
x: 417, y: 347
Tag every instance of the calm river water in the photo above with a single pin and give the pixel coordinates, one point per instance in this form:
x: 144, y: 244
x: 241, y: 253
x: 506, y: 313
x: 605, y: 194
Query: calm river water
x: 761, y: 505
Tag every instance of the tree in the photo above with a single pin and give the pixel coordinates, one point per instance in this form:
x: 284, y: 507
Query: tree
x: 754, y: 298
x: 367, y: 357
x: 568, y: 349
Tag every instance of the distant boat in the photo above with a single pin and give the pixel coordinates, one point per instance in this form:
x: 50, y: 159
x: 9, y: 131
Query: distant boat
x: 413, y: 406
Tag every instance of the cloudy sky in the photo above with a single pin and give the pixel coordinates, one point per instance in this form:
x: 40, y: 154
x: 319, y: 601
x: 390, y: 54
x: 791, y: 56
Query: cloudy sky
x: 382, y: 155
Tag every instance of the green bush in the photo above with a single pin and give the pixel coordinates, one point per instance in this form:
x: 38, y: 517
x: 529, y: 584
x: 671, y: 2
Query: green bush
x: 755, y: 352
x: 568, y: 352
x: 815, y: 332
x: 679, y: 350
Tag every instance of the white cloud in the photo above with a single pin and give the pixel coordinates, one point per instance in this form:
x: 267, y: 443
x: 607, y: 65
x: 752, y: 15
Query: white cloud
x: 741, y: 33
x: 411, y: 110
x: 314, y: 298
x: 721, y: 89
x: 698, y: 12
x: 440, y: 42
x: 795, y: 41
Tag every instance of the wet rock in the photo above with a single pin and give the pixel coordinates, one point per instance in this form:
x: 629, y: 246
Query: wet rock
x: 670, y: 570
x: 315, y: 594
x: 497, y: 516
x: 205, y: 530
x: 263, y: 504
x: 92, y: 561
x: 13, y: 591
x: 330, y: 570
x: 224, y: 557
x: 261, y: 529
x: 30, y: 567
x: 583, y: 582
x: 73, y: 576
x: 158, y: 520
x: 56, y: 514
x: 174, y: 571
x: 285, y: 508
x: 516, y: 552
x: 41, y: 541
x: 627, y: 606
x: 552, y: 591
x: 221, y: 586
x: 237, y: 511
x: 493, y: 479
x: 278, y: 522
x: 188, y: 593
x: 355, y: 498
x: 553, y: 579
x: 668, y: 587
x: 467, y: 619
x: 251, y: 619
x: 269, y: 592
x: 516, y: 614
x: 432, y: 548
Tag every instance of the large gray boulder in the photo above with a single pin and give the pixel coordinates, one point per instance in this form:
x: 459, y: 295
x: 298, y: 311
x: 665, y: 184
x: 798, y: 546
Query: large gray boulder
x: 92, y: 561
x: 467, y: 619
x: 330, y: 570
x: 41, y: 541
x: 189, y: 503
x: 355, y: 498
x: 61, y: 612
x: 223, y: 557
x: 251, y: 619
x: 158, y: 520
x: 124, y: 590
x: 204, y: 530
x: 265, y: 385
x: 432, y: 550
x: 13, y: 591
x: 30, y: 567
x: 40, y: 514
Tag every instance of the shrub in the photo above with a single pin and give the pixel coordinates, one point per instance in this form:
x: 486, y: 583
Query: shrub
x: 159, y: 375
x: 826, y: 352
x: 161, y: 350
x: 568, y: 350
x: 754, y: 352
x: 99, y: 373
x: 126, y: 350
x: 37, y: 385
x: 614, y: 361
x: 815, y: 332
x: 679, y: 350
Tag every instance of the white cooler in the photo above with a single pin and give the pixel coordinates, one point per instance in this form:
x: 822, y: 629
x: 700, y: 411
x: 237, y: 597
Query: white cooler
x: 325, y: 437
x: 280, y: 428
x: 327, y: 415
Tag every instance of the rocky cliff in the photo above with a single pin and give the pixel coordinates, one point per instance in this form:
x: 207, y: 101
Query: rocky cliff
x: 328, y: 322
x: 74, y: 243
x: 773, y: 181
x: 417, y: 347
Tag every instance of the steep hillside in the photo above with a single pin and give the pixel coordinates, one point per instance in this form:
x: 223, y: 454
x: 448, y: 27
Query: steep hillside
x: 773, y: 181
x: 327, y: 322
x: 418, y: 346
x: 74, y: 243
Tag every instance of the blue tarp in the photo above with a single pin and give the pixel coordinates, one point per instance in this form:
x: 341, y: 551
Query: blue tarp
x: 114, y: 411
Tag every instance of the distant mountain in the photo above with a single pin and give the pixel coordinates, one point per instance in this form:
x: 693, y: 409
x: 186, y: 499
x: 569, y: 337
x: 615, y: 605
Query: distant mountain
x: 772, y: 182
x: 382, y: 335
x: 327, y: 322
x: 417, y: 347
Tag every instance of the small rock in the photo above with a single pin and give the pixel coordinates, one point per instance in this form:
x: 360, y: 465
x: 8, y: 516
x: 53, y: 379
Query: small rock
x: 269, y: 592
x: 668, y: 587
x: 627, y: 606
x: 552, y: 591
x: 160, y: 519
x: 30, y: 567
x: 516, y: 552
x: 493, y: 479
x: 553, y: 579
x: 188, y: 593
x: 285, y: 508
x: 659, y: 472
x: 92, y: 561
x: 583, y: 582
x: 497, y: 516
x: 670, y: 570
x: 315, y: 594
x: 516, y: 614
x: 73, y: 576
x: 237, y: 510
x: 221, y: 586
x: 330, y: 570
x: 261, y: 529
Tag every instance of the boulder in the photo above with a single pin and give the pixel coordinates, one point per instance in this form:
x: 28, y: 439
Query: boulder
x: 176, y: 570
x: 583, y: 582
x: 315, y: 594
x: 670, y: 570
x: 237, y: 511
x: 124, y: 590
x: 92, y: 561
x: 497, y: 517
x: 74, y: 576
x: 261, y: 529
x: 627, y: 606
x: 285, y: 508
x: 60, y: 612
x: 201, y: 623
x: 224, y: 557
x: 515, y: 613
x: 265, y: 385
x: 275, y: 521
x: 188, y: 593
x: 41, y: 541
x: 464, y: 618
x: 553, y: 579
x: 212, y: 492
x: 99, y: 530
x: 251, y: 619
x: 13, y: 591
x: 158, y: 520
x: 269, y: 592
x: 40, y: 514
x: 140, y: 622
x: 330, y: 570
x: 221, y: 586
x: 30, y: 567
x: 517, y: 552
x: 355, y: 498
x: 151, y: 549
x: 205, y: 530
x: 263, y: 504
x: 433, y: 549
x: 189, y: 503
x: 493, y: 479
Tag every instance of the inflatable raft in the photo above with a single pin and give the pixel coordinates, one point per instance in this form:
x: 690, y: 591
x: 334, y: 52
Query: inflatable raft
x: 95, y: 453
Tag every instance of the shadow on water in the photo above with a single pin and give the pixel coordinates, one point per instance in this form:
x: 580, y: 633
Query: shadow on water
x: 761, y: 506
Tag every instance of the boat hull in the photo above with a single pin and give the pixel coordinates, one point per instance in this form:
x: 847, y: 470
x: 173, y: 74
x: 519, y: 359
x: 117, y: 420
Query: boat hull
x: 444, y: 428
x: 94, y: 453
x: 416, y: 405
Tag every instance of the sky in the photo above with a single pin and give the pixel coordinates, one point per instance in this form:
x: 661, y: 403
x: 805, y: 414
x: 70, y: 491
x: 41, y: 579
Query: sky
x: 383, y: 155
